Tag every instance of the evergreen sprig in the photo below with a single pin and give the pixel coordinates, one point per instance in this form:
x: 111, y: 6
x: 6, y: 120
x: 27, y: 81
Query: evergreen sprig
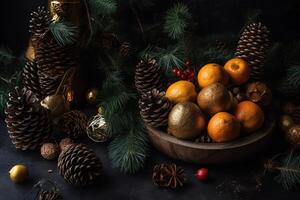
x: 6, y: 56
x: 103, y: 7
x: 290, y: 84
x: 177, y: 20
x: 65, y: 33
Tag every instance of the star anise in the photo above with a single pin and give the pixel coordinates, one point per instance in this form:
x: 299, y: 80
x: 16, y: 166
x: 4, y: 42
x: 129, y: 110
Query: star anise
x: 168, y: 175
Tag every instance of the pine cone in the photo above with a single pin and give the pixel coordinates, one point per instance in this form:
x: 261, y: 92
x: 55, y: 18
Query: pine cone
x: 73, y: 124
x: 126, y: 49
x: 253, y: 47
x: 30, y: 78
x: 49, y: 195
x: 155, y: 108
x: 296, y: 115
x: 27, y: 121
x: 168, y: 175
x: 148, y: 76
x: 79, y: 165
x: 39, y: 24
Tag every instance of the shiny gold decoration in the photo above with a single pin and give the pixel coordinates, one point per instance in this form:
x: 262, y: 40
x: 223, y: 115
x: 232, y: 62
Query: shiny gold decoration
x: 30, y: 52
x: 186, y: 121
x: 101, y: 110
x: 293, y: 136
x: 286, y: 122
x: 70, y: 94
x: 18, y: 173
x: 92, y: 96
x: 57, y: 103
x: 97, y: 129
x: 74, y: 11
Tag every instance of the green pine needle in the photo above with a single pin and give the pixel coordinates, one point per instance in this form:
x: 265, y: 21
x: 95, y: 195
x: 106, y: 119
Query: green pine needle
x: 3, y: 100
x: 129, y: 150
x: 103, y: 7
x: 289, y: 175
x: 290, y: 84
x: 6, y: 56
x: 177, y: 20
x: 65, y: 33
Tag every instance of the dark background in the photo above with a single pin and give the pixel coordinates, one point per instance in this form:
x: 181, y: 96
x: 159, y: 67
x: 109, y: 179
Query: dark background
x: 236, y: 181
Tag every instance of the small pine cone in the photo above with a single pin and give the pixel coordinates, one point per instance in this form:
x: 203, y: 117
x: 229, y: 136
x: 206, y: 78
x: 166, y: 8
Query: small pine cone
x: 155, y: 108
x: 126, y: 49
x: 148, y: 76
x: 73, y: 124
x: 30, y: 78
x: 253, y: 46
x: 296, y: 115
x: 39, y: 23
x: 28, y: 123
x: 49, y: 195
x: 79, y: 165
x: 50, y: 151
x: 63, y: 144
x: 168, y: 175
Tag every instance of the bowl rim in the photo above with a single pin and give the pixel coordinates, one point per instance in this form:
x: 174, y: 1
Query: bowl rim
x: 266, y: 129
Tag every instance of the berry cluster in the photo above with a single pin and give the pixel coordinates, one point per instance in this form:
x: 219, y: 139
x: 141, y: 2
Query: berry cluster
x: 187, y: 73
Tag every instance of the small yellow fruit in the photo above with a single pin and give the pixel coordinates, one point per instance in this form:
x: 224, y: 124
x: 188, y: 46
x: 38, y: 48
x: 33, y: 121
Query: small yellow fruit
x: 18, y: 173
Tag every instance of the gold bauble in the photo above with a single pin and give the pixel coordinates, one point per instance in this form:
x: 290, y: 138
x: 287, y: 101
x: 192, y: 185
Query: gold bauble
x: 293, y: 136
x: 18, y: 173
x: 30, y: 52
x: 92, y: 96
x: 97, y: 129
x: 286, y: 122
x: 186, y: 121
x: 56, y: 104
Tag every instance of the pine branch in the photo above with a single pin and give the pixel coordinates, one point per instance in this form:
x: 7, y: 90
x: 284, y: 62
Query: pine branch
x: 290, y: 84
x: 6, y: 56
x: 129, y: 151
x: 65, y: 33
x: 177, y: 20
x: 103, y: 7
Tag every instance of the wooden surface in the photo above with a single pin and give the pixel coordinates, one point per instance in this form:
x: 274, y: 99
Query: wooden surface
x: 212, y: 153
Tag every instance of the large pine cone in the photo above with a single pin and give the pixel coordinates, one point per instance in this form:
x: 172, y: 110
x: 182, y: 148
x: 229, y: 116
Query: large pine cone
x: 155, y: 108
x: 49, y: 195
x: 148, y: 76
x: 30, y: 78
x: 253, y: 46
x: 79, y: 165
x: 73, y: 124
x: 27, y: 121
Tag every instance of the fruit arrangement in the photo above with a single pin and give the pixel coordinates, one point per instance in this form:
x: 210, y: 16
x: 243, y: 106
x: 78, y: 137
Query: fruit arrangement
x: 221, y: 104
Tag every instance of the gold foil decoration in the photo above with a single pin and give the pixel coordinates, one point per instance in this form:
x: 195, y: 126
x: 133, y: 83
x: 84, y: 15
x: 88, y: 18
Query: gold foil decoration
x: 30, y: 52
x: 74, y: 11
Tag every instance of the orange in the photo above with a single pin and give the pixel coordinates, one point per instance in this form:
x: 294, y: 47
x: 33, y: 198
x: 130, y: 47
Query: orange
x: 212, y: 73
x: 250, y: 115
x: 181, y: 91
x: 238, y: 70
x: 223, y: 127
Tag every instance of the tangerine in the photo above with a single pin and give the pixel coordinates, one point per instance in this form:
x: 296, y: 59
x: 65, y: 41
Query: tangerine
x: 212, y: 73
x: 181, y: 91
x: 238, y: 70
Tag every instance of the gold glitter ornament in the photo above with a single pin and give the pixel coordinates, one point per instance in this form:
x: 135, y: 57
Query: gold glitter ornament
x: 97, y: 129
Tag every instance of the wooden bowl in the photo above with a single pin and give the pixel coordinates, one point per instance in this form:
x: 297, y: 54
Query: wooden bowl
x: 212, y: 153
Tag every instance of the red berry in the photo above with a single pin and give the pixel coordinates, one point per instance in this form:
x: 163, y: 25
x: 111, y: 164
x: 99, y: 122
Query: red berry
x: 178, y: 73
x: 202, y: 174
x: 189, y: 70
x: 191, y: 79
x: 191, y: 75
x: 188, y: 62
x: 174, y: 70
x: 183, y: 76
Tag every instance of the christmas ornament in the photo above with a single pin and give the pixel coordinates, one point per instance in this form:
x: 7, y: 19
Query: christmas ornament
x: 238, y: 70
x: 293, y: 136
x: 79, y: 165
x: 212, y: 73
x: 75, y: 12
x: 223, y: 127
x: 92, y: 96
x: 50, y: 151
x: 286, y: 122
x: 186, y: 121
x: 250, y: 116
x: 155, y: 108
x: 148, y: 76
x: 28, y: 123
x: 259, y: 93
x: 64, y: 143
x: 181, y: 91
x: 18, y: 173
x: 215, y: 98
x: 73, y: 124
x: 30, y: 78
x: 253, y: 47
x: 168, y: 175
x: 97, y: 129
x: 202, y: 174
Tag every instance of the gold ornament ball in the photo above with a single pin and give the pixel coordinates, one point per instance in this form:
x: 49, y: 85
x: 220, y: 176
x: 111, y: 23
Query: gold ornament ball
x: 92, y: 96
x: 18, y: 173
x: 186, y: 121
x: 293, y: 136
x: 286, y: 122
